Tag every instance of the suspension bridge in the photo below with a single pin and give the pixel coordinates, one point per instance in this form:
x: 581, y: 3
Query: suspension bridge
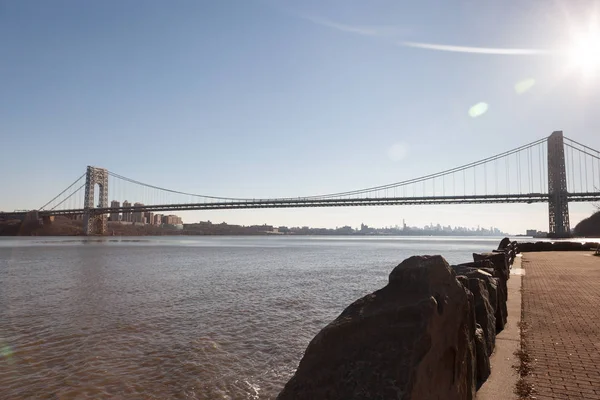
x: 554, y: 170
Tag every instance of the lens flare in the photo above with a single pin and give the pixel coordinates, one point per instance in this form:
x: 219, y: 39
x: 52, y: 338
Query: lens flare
x: 478, y: 109
x: 524, y: 85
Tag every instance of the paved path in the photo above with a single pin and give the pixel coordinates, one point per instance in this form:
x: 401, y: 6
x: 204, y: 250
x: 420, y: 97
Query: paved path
x: 561, y: 305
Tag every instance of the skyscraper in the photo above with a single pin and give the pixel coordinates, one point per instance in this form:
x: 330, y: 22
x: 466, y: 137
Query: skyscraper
x: 126, y: 217
x: 114, y: 216
x: 138, y: 216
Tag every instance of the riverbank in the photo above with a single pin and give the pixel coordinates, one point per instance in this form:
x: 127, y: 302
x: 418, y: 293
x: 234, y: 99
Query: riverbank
x: 62, y: 226
x: 429, y: 333
x: 403, y: 337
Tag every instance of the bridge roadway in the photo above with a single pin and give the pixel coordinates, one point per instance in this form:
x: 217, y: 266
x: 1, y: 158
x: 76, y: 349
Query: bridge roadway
x: 335, y: 202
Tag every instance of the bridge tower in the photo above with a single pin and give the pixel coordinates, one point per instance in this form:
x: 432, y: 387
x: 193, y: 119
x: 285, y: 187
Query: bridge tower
x: 94, y: 223
x: 558, y: 207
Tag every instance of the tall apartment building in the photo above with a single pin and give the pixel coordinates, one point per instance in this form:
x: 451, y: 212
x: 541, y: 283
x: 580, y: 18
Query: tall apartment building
x: 149, y: 217
x: 172, y: 220
x: 126, y: 217
x: 138, y: 216
x: 158, y: 219
x: 114, y: 216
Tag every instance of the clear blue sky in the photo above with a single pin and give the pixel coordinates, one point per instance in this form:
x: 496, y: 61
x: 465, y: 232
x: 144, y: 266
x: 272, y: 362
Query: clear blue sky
x: 284, y: 98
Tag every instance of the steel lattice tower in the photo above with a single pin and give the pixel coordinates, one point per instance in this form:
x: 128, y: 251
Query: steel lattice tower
x: 558, y: 206
x: 94, y: 223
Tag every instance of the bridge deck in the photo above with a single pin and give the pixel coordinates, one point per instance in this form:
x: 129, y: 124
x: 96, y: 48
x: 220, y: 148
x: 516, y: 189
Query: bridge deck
x: 561, y: 306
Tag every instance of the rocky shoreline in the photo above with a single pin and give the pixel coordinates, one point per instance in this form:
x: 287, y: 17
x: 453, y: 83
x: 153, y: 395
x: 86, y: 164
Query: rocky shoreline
x: 428, y: 334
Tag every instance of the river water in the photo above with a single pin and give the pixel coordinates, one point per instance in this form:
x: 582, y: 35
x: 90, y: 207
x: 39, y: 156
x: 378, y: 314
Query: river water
x: 185, y: 318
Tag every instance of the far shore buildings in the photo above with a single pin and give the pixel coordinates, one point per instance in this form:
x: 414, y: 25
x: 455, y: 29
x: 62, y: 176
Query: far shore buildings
x: 127, y: 216
x: 142, y: 217
x: 114, y: 216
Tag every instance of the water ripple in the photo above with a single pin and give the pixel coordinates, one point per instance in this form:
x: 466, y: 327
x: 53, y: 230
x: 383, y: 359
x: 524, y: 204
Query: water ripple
x: 219, y: 318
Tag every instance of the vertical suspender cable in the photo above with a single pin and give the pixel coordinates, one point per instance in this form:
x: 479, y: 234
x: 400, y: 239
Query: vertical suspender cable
x: 507, y: 163
x: 518, y: 173
x: 593, y: 175
x: 580, y: 173
x: 531, y: 169
x: 485, y: 178
x: 540, y: 161
x: 528, y: 173
x: 572, y: 171
x: 586, y: 173
x: 496, y: 175
x: 454, y: 183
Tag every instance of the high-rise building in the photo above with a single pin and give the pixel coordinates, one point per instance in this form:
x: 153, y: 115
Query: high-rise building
x: 138, y: 216
x: 126, y: 217
x: 158, y: 219
x: 172, y: 220
x: 149, y: 217
x: 114, y: 216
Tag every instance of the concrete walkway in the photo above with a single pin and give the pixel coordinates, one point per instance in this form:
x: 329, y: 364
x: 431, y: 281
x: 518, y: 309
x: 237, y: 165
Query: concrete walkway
x: 503, y: 380
x: 561, y: 306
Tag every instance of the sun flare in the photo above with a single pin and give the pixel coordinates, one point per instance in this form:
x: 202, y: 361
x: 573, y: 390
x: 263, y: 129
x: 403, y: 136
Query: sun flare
x: 584, y: 53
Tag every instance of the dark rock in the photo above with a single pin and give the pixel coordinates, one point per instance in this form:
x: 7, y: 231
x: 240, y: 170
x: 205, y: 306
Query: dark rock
x: 471, y: 367
x: 483, y: 359
x: 504, y: 243
x: 464, y: 280
x: 591, y: 245
x: 500, y: 262
x: 567, y: 246
x: 494, y: 288
x: 557, y: 246
x: 484, y: 312
x: 412, y: 339
x: 526, y: 247
x: 543, y: 246
x: 500, y: 271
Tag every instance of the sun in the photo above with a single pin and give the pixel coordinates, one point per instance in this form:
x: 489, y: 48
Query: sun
x: 584, y: 52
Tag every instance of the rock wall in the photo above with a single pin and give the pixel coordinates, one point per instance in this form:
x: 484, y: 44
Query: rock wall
x: 526, y: 247
x: 428, y: 334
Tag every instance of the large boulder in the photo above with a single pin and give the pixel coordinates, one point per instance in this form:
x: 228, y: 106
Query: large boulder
x: 412, y: 339
x: 483, y: 360
x: 500, y: 262
x: 485, y: 292
x: 504, y: 243
x: 495, y: 283
x: 482, y: 351
x: 501, y: 267
x: 484, y: 312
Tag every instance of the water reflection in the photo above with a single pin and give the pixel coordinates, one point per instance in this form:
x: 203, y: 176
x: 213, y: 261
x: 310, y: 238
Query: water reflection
x: 198, y: 318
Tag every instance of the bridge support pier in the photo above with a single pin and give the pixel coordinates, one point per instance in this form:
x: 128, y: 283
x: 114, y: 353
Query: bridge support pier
x: 94, y: 223
x: 558, y: 206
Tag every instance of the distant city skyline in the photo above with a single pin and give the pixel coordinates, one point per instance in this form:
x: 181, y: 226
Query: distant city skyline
x: 261, y: 99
